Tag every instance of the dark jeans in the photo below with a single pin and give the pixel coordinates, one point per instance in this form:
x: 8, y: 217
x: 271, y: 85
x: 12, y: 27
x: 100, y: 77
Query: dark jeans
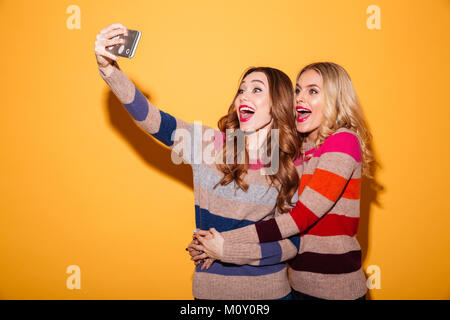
x: 301, y: 296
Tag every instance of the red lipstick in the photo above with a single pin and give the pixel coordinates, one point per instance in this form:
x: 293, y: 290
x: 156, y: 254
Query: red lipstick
x: 245, y: 113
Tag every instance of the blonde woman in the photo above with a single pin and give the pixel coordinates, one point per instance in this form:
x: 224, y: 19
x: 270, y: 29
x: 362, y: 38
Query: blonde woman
x: 334, y: 156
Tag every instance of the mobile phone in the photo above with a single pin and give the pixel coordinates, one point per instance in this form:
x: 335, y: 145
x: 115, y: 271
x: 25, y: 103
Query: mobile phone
x: 128, y: 48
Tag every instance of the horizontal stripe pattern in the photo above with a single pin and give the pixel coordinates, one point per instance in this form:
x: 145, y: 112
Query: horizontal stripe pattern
x: 167, y: 127
x: 327, y: 216
x: 330, y: 244
x: 303, y: 218
x: 289, y: 248
x: 219, y: 287
x: 333, y: 225
x: 256, y: 194
x: 206, y: 220
x: 327, y: 184
x: 329, y: 160
x: 223, y: 207
x: 138, y: 108
x: 256, y: 254
x: 327, y: 263
x: 344, y: 142
x: 226, y: 269
x: 271, y: 253
x: 228, y: 208
x: 315, y: 202
x: 346, y: 207
x: 345, y: 286
x: 268, y: 231
x: 221, y: 281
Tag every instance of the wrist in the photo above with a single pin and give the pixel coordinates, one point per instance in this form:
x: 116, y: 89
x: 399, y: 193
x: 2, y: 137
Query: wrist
x: 107, y: 71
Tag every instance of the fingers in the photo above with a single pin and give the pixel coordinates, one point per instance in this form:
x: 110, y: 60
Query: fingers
x: 202, y: 233
x: 112, y: 34
x: 112, y: 27
x: 194, y: 241
x: 102, y: 52
x: 203, y: 240
x: 197, y: 247
x: 116, y: 33
x: 199, y: 257
x: 198, y: 252
x: 193, y: 252
x: 207, y: 264
x: 108, y: 37
x: 110, y: 42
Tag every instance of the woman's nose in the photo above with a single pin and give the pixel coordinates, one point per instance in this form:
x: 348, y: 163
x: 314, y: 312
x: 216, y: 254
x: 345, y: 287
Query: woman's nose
x: 244, y: 98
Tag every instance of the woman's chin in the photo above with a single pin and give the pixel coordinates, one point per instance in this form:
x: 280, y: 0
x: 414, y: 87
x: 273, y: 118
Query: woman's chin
x: 245, y: 128
x: 301, y: 128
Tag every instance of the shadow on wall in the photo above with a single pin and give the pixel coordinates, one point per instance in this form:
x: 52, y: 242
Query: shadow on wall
x: 370, y: 192
x: 155, y: 154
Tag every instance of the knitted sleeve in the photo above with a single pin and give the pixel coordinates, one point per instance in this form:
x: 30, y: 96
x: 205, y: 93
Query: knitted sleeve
x: 261, y: 254
x: 162, y: 126
x: 337, y: 159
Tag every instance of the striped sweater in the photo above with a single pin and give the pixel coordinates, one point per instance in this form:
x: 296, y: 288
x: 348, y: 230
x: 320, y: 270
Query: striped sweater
x: 258, y: 270
x: 328, y: 264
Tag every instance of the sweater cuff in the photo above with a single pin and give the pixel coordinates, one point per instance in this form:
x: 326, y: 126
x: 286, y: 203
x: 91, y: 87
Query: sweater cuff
x: 246, y: 234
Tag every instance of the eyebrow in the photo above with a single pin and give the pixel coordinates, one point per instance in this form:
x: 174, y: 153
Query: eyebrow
x: 256, y: 81
x: 309, y: 85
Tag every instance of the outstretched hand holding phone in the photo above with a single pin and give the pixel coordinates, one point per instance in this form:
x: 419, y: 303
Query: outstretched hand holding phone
x: 104, y: 39
x: 113, y: 41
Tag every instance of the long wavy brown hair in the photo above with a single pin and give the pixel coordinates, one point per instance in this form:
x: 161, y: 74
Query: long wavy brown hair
x: 286, y: 179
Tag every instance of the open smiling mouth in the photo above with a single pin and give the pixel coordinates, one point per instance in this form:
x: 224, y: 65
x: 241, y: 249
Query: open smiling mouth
x: 245, y: 113
x: 303, y: 114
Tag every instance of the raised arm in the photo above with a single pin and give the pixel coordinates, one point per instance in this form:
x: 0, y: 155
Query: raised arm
x: 152, y: 120
x: 337, y: 159
x: 109, y: 70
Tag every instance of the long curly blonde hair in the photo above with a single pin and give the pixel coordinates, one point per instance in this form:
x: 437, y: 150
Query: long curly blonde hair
x: 342, y: 109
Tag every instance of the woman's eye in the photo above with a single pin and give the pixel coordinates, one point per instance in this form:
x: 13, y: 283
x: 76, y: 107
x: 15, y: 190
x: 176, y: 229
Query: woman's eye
x: 257, y: 90
x: 312, y: 91
x: 297, y: 91
x: 240, y: 91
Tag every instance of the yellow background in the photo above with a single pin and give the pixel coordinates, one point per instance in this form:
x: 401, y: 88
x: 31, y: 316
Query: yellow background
x: 82, y: 185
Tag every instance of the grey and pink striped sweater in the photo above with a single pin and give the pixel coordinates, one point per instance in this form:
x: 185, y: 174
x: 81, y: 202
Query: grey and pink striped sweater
x: 256, y: 270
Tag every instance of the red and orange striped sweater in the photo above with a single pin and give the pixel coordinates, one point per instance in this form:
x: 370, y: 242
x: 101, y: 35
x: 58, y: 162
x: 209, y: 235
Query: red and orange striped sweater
x: 328, y: 264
